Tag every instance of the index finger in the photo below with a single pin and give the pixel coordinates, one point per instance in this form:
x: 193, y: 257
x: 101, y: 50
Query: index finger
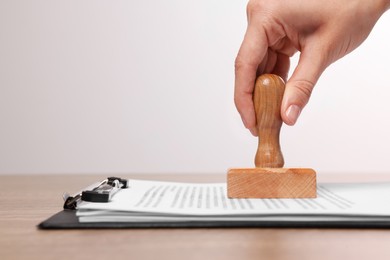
x: 252, y: 51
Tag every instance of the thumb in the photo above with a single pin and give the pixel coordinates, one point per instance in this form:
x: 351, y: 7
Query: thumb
x: 300, y: 86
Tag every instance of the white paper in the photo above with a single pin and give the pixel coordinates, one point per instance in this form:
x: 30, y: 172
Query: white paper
x: 173, y: 201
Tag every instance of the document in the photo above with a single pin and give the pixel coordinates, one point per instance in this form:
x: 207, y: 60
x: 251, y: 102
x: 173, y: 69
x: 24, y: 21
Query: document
x: 155, y: 201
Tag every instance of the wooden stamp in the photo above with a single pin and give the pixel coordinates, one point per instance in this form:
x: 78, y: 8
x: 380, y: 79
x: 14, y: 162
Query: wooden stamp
x: 269, y: 179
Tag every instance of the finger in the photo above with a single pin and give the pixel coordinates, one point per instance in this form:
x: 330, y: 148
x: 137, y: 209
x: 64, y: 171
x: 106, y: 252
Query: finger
x: 250, y: 55
x: 282, y: 66
x: 299, y: 87
x: 271, y: 61
x: 262, y: 65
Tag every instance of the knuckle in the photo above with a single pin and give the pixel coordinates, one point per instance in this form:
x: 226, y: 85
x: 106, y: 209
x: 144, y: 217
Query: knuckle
x: 263, y: 7
x: 239, y: 64
x: 255, y: 5
x: 304, y: 88
x: 242, y: 65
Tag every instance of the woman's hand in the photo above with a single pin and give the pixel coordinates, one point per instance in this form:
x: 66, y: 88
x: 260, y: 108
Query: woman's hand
x: 322, y: 31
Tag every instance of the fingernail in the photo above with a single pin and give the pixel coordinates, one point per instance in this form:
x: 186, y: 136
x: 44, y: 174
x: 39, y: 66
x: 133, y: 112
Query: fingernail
x: 292, y: 113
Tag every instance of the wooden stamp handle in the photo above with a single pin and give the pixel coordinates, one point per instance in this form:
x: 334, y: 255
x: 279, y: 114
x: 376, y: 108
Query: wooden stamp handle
x: 267, y: 98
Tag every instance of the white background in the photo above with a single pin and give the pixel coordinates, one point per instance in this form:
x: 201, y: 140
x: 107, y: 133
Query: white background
x: 147, y: 87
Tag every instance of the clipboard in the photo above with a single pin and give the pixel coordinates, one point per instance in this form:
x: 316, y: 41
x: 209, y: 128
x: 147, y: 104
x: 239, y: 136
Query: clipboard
x: 106, y: 190
x: 67, y: 219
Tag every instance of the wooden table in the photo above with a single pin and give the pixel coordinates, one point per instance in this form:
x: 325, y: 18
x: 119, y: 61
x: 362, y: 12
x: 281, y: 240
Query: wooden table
x: 25, y: 201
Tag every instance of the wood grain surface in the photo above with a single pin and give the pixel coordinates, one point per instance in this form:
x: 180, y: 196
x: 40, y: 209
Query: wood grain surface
x: 269, y: 179
x: 267, y: 99
x: 27, y: 200
x: 271, y: 183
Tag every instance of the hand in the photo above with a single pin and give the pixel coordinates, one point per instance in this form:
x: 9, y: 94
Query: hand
x: 322, y: 31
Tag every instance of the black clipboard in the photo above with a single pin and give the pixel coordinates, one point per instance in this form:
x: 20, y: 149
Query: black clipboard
x: 67, y: 219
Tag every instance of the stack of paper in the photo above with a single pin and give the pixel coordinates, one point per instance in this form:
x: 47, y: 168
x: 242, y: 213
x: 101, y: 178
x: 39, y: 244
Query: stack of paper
x: 152, y: 201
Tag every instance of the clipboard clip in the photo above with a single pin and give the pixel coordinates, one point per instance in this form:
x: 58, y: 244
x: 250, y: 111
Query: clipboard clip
x: 102, y: 193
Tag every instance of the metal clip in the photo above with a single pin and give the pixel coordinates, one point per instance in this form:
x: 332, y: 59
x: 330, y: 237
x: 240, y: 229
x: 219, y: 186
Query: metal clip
x: 102, y: 193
